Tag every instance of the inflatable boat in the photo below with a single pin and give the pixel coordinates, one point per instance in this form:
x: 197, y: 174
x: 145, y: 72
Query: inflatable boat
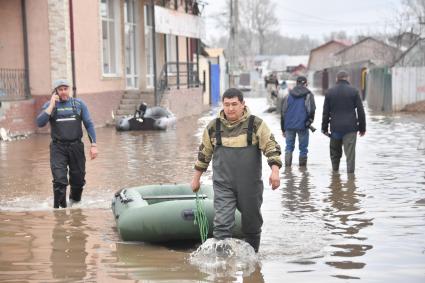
x: 154, y: 118
x: 163, y: 213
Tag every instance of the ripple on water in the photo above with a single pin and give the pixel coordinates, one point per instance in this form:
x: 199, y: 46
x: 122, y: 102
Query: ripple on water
x: 223, y: 258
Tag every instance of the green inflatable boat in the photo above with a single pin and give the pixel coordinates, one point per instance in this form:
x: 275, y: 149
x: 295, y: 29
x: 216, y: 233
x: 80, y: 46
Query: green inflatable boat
x: 162, y: 213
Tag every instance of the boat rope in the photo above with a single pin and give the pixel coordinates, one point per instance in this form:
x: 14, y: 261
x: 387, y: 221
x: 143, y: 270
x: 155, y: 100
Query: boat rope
x: 201, y: 218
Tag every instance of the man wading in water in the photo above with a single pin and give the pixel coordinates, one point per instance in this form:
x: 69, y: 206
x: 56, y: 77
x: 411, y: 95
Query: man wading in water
x: 66, y: 115
x: 234, y: 141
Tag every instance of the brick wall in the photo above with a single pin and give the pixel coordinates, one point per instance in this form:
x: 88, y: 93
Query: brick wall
x: 101, y: 105
x: 18, y: 116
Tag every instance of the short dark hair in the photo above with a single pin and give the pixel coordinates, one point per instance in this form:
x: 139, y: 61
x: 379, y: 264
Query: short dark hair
x: 301, y: 80
x: 342, y: 75
x: 233, y: 92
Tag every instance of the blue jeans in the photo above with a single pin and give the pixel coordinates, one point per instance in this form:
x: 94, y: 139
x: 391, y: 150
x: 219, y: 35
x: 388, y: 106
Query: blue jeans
x: 302, y: 141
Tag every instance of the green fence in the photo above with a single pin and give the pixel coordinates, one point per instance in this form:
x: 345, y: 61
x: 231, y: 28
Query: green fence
x: 378, y: 89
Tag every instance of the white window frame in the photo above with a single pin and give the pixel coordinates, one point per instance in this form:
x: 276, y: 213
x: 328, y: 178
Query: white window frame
x: 110, y: 46
x: 148, y: 49
x: 132, y: 54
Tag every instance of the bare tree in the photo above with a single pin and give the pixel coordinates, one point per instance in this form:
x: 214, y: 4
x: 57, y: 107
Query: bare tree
x: 258, y: 18
x: 336, y: 35
x: 416, y: 10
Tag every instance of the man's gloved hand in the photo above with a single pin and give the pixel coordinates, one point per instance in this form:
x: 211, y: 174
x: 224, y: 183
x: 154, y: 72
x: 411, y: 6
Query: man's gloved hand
x: 326, y: 133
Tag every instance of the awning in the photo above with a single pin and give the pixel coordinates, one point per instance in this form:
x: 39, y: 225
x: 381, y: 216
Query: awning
x: 177, y: 23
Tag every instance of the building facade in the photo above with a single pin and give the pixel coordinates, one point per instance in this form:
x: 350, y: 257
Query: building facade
x: 116, y: 53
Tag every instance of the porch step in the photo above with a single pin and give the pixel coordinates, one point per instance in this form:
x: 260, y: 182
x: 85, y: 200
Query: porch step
x: 123, y: 112
x: 131, y: 100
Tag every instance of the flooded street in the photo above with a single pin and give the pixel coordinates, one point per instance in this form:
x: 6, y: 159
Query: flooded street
x: 319, y: 225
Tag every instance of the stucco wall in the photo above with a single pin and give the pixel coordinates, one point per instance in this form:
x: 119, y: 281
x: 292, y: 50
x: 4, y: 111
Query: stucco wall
x: 38, y: 47
x: 324, y: 57
x: 11, y: 39
x: 88, y: 51
x: 370, y: 49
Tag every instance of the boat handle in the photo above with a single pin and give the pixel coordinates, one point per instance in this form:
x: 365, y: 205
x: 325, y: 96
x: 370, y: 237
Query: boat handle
x: 188, y: 214
x: 124, y: 199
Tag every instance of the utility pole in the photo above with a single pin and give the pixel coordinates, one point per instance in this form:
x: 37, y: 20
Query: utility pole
x: 233, y: 43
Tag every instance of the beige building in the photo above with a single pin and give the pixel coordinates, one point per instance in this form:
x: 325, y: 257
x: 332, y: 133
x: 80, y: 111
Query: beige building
x: 368, y: 49
x: 117, y: 53
x: 323, y: 57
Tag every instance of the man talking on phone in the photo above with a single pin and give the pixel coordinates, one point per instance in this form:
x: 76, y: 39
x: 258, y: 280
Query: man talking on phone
x: 66, y: 116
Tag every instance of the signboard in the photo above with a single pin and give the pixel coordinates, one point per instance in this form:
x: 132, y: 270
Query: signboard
x: 177, y: 23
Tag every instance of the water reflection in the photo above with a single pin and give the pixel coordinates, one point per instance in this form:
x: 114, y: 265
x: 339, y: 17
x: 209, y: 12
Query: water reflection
x: 346, y: 218
x: 152, y: 262
x: 68, y: 256
x: 296, y: 195
x: 315, y: 226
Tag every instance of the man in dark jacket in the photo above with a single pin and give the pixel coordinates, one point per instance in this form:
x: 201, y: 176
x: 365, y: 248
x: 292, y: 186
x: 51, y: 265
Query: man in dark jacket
x: 343, y: 109
x: 298, y: 110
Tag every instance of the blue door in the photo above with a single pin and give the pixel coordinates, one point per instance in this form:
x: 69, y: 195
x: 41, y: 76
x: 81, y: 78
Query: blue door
x: 215, y: 84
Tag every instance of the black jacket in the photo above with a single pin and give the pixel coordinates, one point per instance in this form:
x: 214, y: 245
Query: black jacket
x: 339, y: 109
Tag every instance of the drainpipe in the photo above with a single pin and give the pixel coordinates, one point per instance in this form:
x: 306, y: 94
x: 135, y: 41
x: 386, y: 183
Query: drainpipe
x: 197, y: 56
x: 71, y: 30
x: 27, y: 88
x: 187, y: 51
x: 165, y: 54
x: 154, y: 53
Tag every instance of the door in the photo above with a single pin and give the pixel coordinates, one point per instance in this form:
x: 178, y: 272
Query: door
x: 215, y: 84
x: 325, y: 80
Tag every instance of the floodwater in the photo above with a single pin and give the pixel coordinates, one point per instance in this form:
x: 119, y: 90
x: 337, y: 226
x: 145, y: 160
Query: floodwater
x: 321, y: 226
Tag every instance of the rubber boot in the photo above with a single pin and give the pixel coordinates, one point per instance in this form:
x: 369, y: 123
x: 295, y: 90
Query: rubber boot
x: 59, y: 197
x: 335, y: 165
x: 254, y: 242
x: 303, y: 161
x: 75, y: 194
x: 288, y: 159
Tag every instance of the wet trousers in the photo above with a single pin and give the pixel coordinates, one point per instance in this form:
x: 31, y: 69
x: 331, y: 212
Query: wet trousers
x: 349, y: 143
x: 63, y: 156
x: 237, y: 185
x: 303, y: 136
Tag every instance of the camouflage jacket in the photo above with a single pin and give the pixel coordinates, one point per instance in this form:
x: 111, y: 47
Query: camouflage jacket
x: 234, y: 134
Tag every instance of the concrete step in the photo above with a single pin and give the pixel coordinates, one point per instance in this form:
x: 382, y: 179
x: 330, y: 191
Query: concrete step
x: 132, y: 107
x: 130, y: 101
x: 123, y: 112
x: 131, y: 96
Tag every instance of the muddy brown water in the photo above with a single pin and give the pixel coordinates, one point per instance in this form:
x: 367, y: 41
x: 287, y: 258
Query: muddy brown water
x: 321, y: 226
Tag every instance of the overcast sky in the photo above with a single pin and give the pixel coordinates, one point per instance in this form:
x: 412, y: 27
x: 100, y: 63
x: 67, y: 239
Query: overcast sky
x: 317, y: 18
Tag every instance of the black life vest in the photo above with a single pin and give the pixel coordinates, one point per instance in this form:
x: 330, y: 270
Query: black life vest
x: 66, y: 125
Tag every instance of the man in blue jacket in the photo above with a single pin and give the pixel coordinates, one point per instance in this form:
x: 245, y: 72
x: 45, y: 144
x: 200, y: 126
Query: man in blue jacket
x: 66, y: 115
x: 298, y: 109
x: 343, y: 110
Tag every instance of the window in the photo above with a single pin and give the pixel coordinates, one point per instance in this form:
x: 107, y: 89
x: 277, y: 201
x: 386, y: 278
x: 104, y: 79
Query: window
x: 131, y: 46
x: 109, y: 11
